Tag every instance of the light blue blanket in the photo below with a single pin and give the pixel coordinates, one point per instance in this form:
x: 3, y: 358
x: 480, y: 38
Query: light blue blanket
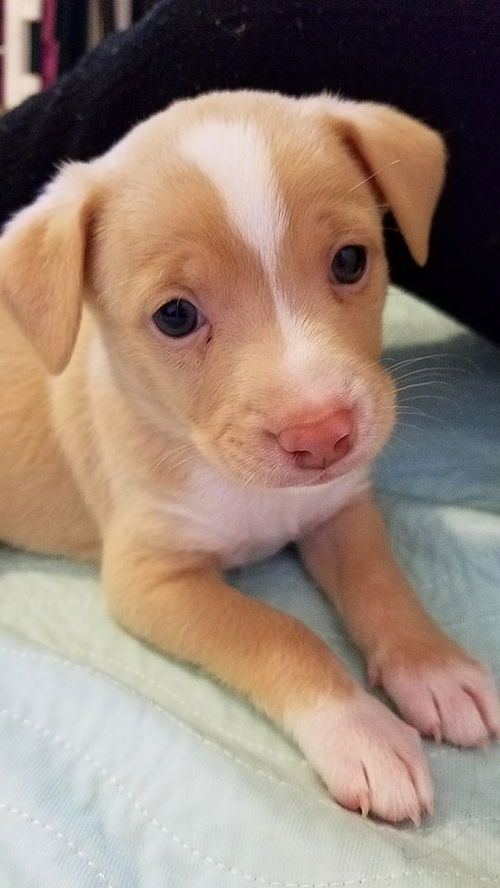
x: 122, y: 769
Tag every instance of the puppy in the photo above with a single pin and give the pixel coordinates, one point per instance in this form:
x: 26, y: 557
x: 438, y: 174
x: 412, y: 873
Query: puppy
x: 189, y: 346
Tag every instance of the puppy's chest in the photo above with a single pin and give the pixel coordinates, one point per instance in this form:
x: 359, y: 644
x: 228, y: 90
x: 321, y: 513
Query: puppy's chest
x: 246, y: 525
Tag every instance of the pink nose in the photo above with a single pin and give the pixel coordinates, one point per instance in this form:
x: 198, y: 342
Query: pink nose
x: 318, y: 443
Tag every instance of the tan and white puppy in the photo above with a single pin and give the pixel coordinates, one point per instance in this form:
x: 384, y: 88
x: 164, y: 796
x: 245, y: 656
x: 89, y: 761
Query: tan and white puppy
x: 189, y: 379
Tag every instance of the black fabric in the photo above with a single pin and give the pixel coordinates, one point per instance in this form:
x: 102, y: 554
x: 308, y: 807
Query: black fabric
x: 72, y: 25
x: 436, y: 59
x: 140, y: 8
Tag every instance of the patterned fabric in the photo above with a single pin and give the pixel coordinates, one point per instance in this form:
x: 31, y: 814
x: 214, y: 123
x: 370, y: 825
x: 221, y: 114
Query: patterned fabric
x: 50, y: 47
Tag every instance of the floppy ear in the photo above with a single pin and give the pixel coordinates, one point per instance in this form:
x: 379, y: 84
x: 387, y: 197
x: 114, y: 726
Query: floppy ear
x: 42, y: 264
x: 406, y: 160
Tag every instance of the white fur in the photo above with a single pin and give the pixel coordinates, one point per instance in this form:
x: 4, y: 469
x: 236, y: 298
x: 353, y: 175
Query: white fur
x: 242, y: 525
x: 369, y: 759
x: 236, y: 159
x: 456, y: 702
x: 303, y: 349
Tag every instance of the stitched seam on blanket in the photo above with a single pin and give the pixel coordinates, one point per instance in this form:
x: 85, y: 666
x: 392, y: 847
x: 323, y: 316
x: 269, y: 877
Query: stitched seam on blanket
x: 324, y: 802
x: 259, y: 880
x: 165, y: 713
x: 114, y: 781
x: 97, y: 658
x: 251, y: 747
x: 60, y: 740
x: 58, y: 835
x: 68, y: 664
x: 59, y: 656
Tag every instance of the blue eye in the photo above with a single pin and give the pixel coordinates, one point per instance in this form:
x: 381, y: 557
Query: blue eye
x: 348, y: 265
x: 178, y: 318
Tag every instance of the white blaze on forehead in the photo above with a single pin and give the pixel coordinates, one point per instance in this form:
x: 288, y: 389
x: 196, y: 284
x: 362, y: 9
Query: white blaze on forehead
x: 237, y: 160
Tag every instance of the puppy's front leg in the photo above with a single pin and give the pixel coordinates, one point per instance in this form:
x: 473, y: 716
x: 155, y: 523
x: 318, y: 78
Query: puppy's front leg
x: 436, y: 686
x: 368, y: 758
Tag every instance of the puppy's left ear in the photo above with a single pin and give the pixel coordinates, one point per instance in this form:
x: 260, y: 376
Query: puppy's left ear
x: 406, y: 160
x: 42, y: 264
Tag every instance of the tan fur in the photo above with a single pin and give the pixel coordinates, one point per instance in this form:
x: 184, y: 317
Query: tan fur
x: 160, y: 456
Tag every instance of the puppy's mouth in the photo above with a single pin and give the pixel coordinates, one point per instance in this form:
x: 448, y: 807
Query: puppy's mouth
x: 314, y: 447
x: 277, y: 466
x: 304, y: 468
x: 312, y: 477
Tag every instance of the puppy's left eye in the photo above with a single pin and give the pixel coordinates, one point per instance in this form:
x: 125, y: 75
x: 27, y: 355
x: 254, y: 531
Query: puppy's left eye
x: 348, y: 264
x: 177, y: 318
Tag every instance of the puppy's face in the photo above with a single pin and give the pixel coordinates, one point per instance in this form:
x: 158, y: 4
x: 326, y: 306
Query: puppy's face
x: 236, y: 269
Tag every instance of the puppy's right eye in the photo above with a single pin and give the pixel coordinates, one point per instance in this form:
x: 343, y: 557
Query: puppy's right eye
x: 348, y: 264
x: 177, y: 318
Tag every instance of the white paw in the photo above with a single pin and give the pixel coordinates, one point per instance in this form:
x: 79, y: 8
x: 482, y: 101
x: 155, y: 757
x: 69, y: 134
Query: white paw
x: 456, y: 702
x: 369, y: 759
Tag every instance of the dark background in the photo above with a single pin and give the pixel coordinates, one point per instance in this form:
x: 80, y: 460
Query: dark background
x: 439, y: 61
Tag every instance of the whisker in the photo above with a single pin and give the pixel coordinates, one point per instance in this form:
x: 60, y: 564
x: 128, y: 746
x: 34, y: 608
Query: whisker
x: 430, y: 395
x: 166, y: 456
x: 373, y: 175
x: 411, y: 411
x: 472, y: 365
x: 397, y: 438
x: 249, y: 478
x: 181, y: 462
x: 411, y: 385
x: 409, y: 425
x: 414, y: 360
x: 420, y: 371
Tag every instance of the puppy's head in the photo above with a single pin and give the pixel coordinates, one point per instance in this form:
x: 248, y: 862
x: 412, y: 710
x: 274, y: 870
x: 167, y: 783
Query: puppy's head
x: 231, y: 251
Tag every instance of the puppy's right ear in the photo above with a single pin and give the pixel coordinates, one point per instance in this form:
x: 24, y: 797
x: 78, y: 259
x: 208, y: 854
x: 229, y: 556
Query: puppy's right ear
x: 42, y: 264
